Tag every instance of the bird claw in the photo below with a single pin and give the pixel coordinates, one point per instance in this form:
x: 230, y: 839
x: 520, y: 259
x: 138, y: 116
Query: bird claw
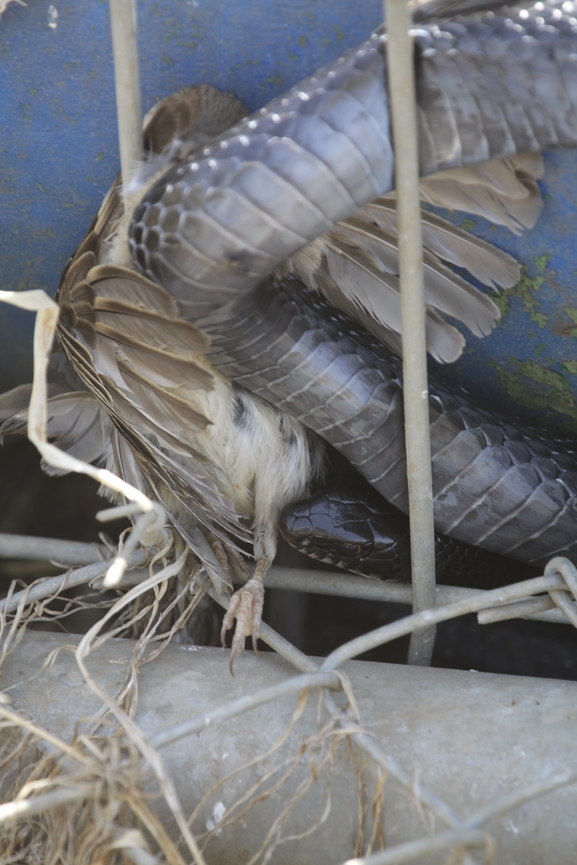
x: 246, y: 605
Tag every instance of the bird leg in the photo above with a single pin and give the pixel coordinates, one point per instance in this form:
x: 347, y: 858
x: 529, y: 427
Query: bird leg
x: 246, y: 606
x: 238, y: 564
x: 219, y: 551
x: 229, y: 558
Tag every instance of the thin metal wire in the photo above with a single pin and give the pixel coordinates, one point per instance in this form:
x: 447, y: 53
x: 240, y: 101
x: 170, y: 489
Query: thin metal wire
x: 129, y: 112
x: 412, y: 850
x: 400, y: 66
x: 243, y: 704
x: 520, y: 609
x: 365, y: 741
x: 386, y: 633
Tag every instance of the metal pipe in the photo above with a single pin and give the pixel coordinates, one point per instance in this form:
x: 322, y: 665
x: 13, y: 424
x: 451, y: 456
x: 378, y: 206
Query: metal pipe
x: 446, y: 729
x: 129, y: 113
x: 415, y: 387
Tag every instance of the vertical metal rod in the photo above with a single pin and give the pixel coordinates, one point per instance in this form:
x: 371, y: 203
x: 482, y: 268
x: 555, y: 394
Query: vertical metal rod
x: 125, y: 51
x: 416, y: 395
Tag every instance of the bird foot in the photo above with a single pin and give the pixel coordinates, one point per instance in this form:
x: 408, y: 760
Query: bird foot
x: 229, y: 559
x: 246, y: 605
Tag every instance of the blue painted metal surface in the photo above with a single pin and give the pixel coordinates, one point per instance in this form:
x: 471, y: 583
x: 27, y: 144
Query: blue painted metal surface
x: 58, y: 155
x: 528, y: 365
x: 58, y: 139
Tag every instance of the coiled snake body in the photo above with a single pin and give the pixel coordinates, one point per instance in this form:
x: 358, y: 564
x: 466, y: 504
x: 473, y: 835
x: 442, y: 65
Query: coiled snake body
x: 221, y: 219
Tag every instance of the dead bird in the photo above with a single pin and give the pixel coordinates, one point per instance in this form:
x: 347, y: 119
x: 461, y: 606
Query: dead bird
x: 147, y: 404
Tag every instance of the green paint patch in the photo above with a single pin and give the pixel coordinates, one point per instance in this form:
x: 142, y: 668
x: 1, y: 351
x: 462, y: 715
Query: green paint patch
x: 302, y: 40
x: 571, y: 312
x: 524, y: 289
x: 32, y: 91
x: 339, y: 33
x: 570, y: 366
x: 468, y: 224
x: 542, y: 261
x: 537, y: 387
x: 100, y: 156
x: 503, y: 301
x: 540, y: 348
x: 276, y: 79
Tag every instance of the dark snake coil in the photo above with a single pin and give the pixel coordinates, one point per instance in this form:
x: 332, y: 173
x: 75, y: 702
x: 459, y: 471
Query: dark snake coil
x: 220, y: 220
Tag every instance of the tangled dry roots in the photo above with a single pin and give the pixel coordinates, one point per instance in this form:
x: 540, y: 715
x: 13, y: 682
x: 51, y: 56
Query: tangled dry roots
x: 91, y: 802
x: 102, y: 780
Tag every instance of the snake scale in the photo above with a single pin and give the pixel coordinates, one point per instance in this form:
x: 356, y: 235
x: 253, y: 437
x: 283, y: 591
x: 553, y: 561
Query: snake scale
x: 219, y: 220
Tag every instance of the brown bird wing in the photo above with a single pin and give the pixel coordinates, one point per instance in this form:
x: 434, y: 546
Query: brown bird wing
x: 142, y: 365
x: 356, y: 264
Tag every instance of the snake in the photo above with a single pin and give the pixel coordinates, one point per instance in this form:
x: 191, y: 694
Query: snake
x: 349, y: 525
x: 220, y: 219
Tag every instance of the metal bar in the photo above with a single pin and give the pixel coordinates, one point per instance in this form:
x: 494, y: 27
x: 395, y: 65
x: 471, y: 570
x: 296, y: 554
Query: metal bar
x: 50, y: 549
x: 348, y: 586
x: 53, y: 585
x: 336, y: 583
x: 415, y: 388
x: 129, y: 113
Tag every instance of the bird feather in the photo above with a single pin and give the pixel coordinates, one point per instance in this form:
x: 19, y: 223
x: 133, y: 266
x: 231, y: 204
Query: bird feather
x: 490, y: 265
x: 502, y: 191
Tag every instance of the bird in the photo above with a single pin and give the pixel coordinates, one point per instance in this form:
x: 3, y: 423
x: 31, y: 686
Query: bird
x: 144, y: 397
x: 138, y: 396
